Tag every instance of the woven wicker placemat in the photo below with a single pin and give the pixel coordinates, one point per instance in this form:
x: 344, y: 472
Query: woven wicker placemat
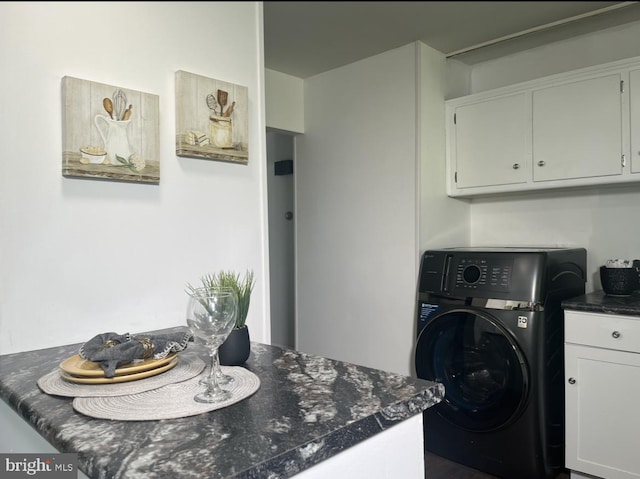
x: 168, y: 402
x: 189, y: 365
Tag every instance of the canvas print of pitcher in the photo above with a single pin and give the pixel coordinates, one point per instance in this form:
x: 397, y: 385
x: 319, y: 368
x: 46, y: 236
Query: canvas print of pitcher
x: 211, y: 119
x: 109, y: 132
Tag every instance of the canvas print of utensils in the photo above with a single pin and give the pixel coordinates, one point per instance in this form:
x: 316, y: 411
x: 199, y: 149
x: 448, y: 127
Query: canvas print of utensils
x: 116, y: 106
x: 220, y: 100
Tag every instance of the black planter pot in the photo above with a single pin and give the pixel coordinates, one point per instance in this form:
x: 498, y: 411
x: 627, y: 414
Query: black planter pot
x: 236, y: 349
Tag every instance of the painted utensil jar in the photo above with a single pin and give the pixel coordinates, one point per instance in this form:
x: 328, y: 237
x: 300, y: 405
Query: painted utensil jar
x: 115, y: 138
x: 221, y: 131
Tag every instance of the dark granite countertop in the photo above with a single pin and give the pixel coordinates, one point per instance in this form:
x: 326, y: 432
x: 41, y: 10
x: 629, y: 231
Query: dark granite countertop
x: 599, y: 302
x: 307, y: 409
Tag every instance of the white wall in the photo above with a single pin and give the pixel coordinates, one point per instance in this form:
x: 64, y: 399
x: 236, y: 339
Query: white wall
x: 444, y: 222
x: 356, y: 212
x: 602, y: 220
x: 611, y: 44
x: 81, y: 257
x: 284, y: 102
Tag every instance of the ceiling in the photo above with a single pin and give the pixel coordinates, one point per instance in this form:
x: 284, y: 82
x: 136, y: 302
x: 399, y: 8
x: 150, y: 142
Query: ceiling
x: 303, y: 39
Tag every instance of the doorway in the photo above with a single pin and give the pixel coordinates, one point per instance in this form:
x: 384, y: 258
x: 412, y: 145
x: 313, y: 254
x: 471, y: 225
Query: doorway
x: 280, y: 194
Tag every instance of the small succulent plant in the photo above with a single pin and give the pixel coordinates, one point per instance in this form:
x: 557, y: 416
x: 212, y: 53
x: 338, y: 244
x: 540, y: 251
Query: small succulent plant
x: 241, y: 286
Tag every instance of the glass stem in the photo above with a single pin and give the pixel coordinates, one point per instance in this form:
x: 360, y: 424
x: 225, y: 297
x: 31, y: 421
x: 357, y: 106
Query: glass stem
x: 213, y: 378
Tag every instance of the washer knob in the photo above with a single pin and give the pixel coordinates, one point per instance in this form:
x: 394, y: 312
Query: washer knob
x: 471, y: 274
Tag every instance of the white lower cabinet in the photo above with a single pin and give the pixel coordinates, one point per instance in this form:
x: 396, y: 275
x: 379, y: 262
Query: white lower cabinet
x: 602, y: 395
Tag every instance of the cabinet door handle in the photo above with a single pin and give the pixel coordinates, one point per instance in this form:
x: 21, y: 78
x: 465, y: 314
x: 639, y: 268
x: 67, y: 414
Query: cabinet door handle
x: 516, y: 166
x: 572, y: 381
x: 615, y: 334
x: 541, y: 163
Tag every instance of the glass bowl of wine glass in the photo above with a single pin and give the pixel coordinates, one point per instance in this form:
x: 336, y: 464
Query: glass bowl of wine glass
x: 211, y: 314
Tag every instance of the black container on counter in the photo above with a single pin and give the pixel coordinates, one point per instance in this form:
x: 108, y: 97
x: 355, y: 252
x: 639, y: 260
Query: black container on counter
x: 620, y: 281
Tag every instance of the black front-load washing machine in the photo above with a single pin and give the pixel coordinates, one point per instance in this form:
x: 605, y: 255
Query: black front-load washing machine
x: 490, y: 329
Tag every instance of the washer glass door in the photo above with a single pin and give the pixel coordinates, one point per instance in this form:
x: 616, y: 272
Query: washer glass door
x: 482, y: 368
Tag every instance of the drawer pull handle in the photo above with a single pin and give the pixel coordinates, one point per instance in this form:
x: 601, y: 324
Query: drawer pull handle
x: 615, y: 334
x: 572, y: 381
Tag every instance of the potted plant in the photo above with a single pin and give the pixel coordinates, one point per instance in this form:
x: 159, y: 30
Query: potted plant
x: 236, y: 349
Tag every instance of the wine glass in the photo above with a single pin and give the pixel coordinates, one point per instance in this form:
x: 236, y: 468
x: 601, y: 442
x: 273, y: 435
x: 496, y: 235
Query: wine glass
x: 211, y: 314
x: 221, y: 378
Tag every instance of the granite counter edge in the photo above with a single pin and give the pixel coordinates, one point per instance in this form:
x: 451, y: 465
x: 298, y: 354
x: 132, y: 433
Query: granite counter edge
x: 314, y: 452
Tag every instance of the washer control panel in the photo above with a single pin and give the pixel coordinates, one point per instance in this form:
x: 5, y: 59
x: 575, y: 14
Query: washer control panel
x: 482, y: 273
x: 502, y: 273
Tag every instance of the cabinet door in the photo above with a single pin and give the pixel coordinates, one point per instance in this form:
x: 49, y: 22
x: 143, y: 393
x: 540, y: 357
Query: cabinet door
x: 602, y: 390
x: 634, y: 107
x: 492, y: 141
x: 577, y: 129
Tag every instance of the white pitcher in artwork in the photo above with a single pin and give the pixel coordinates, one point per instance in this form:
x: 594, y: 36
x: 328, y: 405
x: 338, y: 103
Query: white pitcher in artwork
x: 116, y: 139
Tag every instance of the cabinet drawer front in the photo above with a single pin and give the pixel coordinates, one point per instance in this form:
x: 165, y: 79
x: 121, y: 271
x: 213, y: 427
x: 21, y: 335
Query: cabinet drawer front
x: 602, y: 330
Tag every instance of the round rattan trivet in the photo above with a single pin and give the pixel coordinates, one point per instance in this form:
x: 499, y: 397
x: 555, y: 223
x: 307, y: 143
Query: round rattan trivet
x: 168, y: 402
x: 189, y: 365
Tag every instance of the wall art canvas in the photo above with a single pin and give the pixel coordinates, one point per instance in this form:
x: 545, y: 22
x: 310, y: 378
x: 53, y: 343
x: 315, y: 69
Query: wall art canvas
x: 212, y: 119
x: 109, y: 132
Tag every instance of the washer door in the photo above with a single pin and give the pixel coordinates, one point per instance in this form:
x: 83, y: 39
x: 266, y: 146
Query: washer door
x: 482, y: 368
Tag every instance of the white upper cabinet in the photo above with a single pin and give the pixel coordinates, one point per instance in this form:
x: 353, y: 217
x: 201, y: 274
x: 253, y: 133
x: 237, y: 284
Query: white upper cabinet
x: 579, y: 128
x: 492, y: 141
x: 634, y: 115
